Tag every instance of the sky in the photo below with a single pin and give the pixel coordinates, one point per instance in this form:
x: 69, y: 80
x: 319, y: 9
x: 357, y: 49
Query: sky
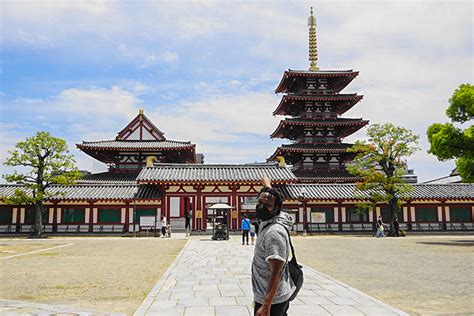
x: 205, y: 71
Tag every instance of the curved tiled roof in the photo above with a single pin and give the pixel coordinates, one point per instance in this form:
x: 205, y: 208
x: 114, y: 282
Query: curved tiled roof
x: 211, y: 173
x: 338, y: 98
x: 317, y: 148
x: 92, y: 192
x: 348, y: 123
x: 310, y: 148
x: 135, y: 144
x: 350, y: 191
x: 347, y: 75
x: 109, y: 178
x: 325, y: 122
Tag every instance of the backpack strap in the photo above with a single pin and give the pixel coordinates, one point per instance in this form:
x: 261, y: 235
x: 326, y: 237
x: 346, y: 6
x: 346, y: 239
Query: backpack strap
x: 289, y: 238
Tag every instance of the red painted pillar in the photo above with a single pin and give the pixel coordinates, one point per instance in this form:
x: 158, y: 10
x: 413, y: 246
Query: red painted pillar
x: 235, y: 225
x: 339, y: 211
x: 127, y: 205
x: 91, y: 216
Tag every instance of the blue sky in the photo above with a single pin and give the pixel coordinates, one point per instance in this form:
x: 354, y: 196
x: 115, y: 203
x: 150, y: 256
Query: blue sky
x: 205, y: 71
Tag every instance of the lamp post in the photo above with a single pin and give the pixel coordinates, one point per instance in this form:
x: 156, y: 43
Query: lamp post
x: 302, y: 198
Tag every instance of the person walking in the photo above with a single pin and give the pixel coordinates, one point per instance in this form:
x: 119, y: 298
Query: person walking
x: 396, y: 227
x: 245, y: 226
x: 252, y: 233
x: 187, y: 223
x: 163, y: 226
x: 271, y: 285
x: 380, y: 228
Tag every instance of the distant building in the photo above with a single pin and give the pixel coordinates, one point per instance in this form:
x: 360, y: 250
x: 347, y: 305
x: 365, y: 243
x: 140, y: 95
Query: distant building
x: 453, y: 177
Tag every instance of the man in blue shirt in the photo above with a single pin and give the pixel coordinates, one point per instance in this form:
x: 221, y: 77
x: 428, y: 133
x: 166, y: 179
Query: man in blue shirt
x: 245, y: 226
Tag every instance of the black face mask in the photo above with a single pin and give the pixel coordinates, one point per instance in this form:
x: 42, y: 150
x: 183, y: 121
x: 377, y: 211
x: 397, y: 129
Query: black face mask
x: 262, y: 212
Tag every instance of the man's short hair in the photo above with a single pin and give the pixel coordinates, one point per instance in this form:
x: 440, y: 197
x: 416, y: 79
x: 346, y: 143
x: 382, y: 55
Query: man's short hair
x: 278, y: 198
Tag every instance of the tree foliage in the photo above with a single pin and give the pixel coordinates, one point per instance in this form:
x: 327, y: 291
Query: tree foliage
x: 49, y: 162
x: 450, y: 142
x: 380, y: 164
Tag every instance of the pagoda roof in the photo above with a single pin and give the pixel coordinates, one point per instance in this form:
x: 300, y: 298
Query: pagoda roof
x: 343, y: 122
x: 454, y: 191
x: 215, y: 173
x: 92, y: 192
x: 310, y: 148
x: 353, y: 97
x: 135, y: 145
x: 290, y: 74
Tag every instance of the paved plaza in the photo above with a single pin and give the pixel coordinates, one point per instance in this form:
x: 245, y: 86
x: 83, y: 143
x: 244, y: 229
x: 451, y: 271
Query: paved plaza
x: 213, y: 278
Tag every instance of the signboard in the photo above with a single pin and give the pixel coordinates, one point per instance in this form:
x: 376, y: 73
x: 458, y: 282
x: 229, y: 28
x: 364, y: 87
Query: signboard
x: 318, y: 217
x: 234, y: 214
x: 198, y: 214
x: 147, y: 221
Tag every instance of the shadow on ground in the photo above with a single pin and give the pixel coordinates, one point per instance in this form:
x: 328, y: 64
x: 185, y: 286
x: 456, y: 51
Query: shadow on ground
x: 459, y: 243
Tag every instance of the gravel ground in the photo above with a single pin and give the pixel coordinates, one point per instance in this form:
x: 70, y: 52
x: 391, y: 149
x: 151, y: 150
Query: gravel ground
x: 104, y: 274
x: 420, y: 275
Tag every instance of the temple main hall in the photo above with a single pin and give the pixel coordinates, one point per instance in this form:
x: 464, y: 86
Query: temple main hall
x: 151, y: 175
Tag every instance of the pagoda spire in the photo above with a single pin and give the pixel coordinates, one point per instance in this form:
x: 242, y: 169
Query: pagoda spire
x: 313, y: 48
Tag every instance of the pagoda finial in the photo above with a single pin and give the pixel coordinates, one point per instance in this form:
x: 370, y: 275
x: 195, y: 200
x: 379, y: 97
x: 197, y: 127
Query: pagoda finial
x: 313, y: 48
x: 141, y: 111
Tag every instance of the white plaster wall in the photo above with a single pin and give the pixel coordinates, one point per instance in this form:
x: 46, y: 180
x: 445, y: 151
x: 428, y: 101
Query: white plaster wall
x: 405, y: 214
x: 446, y: 212
x: 58, y: 215
x: 51, y: 215
x: 14, y: 215
x: 122, y: 215
x: 87, y: 215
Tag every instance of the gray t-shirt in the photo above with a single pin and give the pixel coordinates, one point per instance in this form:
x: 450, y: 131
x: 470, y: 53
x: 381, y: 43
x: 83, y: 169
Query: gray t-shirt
x: 272, y: 243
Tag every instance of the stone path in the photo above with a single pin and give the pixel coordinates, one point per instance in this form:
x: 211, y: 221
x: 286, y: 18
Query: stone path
x: 213, y: 278
x: 8, y: 307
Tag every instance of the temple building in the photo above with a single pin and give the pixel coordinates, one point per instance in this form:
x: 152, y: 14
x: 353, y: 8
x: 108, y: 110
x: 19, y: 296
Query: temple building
x: 150, y: 176
x: 314, y: 104
x: 136, y: 143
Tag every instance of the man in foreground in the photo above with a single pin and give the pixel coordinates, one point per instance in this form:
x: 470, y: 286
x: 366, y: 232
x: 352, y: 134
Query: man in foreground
x: 271, y: 283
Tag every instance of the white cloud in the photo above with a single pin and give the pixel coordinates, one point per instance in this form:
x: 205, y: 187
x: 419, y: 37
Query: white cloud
x: 169, y: 57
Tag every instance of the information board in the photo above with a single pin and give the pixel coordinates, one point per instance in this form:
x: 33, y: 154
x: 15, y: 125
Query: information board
x: 147, y: 221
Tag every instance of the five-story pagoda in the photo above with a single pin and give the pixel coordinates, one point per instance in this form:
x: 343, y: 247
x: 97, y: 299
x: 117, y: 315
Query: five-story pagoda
x: 314, y: 103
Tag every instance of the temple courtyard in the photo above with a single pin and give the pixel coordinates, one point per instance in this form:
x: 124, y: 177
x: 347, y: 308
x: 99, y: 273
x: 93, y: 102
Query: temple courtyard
x: 179, y: 276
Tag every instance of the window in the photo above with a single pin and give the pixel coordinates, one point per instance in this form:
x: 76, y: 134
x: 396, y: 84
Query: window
x: 425, y: 214
x: 460, y: 213
x: 30, y: 215
x: 5, y: 215
x: 387, y: 216
x: 109, y: 216
x: 357, y: 216
x: 71, y: 216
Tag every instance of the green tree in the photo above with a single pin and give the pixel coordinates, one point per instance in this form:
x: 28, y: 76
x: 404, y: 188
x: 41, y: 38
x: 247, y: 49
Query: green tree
x: 49, y: 162
x: 379, y: 163
x: 450, y: 142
